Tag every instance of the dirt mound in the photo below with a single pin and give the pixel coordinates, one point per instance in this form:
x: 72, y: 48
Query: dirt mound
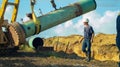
x: 103, y: 47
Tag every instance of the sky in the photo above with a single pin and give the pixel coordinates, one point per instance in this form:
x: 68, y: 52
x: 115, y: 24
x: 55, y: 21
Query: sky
x: 103, y: 19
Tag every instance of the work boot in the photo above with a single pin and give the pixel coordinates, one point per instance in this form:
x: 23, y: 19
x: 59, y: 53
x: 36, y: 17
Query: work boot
x: 88, y: 57
x: 86, y: 54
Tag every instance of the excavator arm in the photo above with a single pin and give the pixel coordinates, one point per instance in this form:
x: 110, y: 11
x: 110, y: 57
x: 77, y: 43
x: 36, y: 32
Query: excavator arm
x: 37, y: 22
x: 15, y: 10
x: 14, y: 13
x: 2, y: 11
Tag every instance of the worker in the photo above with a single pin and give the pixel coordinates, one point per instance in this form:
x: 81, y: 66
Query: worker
x: 53, y: 4
x: 88, y: 39
x: 118, y: 32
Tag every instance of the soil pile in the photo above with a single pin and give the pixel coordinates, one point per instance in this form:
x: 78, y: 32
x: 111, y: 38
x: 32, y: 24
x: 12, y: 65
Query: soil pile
x: 103, y: 47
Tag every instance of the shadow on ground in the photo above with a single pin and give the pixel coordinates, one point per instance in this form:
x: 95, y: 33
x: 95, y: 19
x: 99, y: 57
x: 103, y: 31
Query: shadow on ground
x: 48, y: 59
x: 40, y: 54
x: 28, y: 59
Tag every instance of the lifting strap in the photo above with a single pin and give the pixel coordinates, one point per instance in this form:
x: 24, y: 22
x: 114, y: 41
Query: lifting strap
x: 36, y: 21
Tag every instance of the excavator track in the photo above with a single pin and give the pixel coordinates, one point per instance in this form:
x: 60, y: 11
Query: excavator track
x: 17, y: 34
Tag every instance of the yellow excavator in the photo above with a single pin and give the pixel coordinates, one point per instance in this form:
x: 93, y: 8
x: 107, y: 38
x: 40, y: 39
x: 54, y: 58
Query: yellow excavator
x: 5, y: 37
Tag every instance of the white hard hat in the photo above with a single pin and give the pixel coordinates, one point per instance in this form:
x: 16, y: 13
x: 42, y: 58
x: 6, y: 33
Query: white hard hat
x: 86, y: 20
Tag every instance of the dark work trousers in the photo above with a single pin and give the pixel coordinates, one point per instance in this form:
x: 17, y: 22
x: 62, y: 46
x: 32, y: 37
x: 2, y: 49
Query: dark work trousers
x: 86, y: 47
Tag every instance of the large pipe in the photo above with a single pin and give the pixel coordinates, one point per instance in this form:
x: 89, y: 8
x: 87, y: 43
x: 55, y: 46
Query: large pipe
x: 59, y: 16
x: 35, y: 42
x: 51, y: 19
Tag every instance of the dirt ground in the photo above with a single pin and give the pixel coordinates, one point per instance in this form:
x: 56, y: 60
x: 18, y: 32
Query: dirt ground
x: 49, y: 59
